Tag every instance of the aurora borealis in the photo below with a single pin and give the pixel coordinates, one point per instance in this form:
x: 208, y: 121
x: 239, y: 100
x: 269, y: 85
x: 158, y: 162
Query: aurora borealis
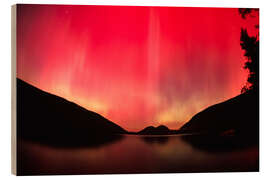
x: 136, y: 66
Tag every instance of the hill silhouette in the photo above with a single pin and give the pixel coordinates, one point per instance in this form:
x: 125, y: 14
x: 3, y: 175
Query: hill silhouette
x: 236, y: 116
x: 47, y: 118
x: 160, y: 130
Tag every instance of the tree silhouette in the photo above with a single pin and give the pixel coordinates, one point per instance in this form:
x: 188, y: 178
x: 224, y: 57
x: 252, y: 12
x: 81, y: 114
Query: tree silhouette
x: 246, y: 11
x: 250, y: 45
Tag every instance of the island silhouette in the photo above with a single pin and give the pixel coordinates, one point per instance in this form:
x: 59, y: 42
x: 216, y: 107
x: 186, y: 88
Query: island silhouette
x: 159, y: 130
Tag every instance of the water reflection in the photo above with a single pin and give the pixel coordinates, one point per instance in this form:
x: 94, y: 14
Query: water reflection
x: 155, y: 139
x: 132, y: 154
x: 215, y: 143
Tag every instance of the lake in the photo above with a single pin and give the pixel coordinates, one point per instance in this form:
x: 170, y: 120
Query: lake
x: 134, y: 154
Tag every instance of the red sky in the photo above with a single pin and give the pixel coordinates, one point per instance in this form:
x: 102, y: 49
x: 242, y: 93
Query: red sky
x: 137, y: 66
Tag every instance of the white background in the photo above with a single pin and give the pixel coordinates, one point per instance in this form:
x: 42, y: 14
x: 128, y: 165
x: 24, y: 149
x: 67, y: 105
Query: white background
x: 5, y: 87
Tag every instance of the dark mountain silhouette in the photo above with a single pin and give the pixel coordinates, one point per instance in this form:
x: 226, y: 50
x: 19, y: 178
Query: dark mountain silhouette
x: 47, y: 118
x: 236, y: 116
x: 160, y: 130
